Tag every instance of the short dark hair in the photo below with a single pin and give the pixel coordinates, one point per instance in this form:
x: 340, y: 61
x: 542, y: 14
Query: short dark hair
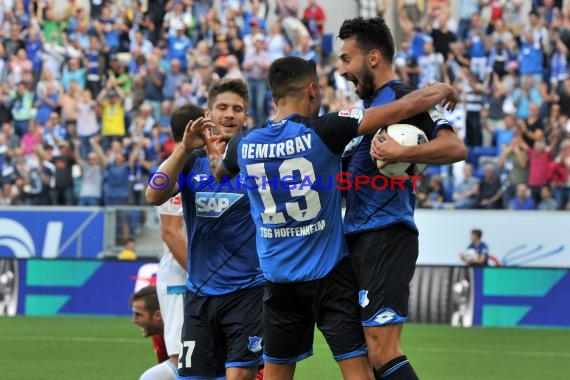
x: 477, y: 233
x: 180, y: 118
x: 237, y: 86
x: 370, y: 33
x: 150, y: 297
x: 288, y: 75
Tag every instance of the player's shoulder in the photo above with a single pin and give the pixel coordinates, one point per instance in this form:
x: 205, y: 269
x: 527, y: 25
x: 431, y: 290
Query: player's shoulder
x: 401, y: 89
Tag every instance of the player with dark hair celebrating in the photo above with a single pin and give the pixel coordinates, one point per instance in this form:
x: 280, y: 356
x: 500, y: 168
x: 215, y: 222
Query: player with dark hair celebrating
x: 380, y: 228
x: 222, y: 333
x: 300, y: 240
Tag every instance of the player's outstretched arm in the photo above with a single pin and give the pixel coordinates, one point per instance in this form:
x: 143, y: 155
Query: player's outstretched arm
x: 164, y: 182
x: 412, y: 104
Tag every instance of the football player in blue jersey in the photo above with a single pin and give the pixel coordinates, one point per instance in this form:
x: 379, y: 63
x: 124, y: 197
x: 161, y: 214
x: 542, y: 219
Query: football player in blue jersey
x: 222, y: 333
x: 288, y: 167
x: 379, y: 225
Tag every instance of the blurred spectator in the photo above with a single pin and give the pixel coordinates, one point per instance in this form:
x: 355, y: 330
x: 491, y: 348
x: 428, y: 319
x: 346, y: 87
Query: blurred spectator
x: 145, y: 121
x: 22, y: 102
x: 287, y: 8
x: 304, y: 49
x: 525, y: 95
x: 277, y: 45
x: 73, y: 72
x: 466, y: 192
x: 539, y: 162
x: 47, y: 103
x: 90, y: 193
x: 546, y: 203
x: 173, y: 78
x: 433, y: 196
x: 62, y: 190
x: 558, y: 173
x: 532, y: 127
x: 431, y: 66
x: 314, y: 17
x: 474, y: 94
x: 407, y: 64
x: 32, y: 138
x: 153, y: 79
x: 111, y: 100
x: 493, y: 116
x: 39, y: 177
x: 256, y: 67
x: 87, y: 126
x: 522, y: 200
x: 129, y: 252
x: 490, y: 188
x: 513, y: 162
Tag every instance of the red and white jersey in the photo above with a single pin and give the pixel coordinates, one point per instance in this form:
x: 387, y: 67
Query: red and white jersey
x: 171, y: 277
x: 159, y: 348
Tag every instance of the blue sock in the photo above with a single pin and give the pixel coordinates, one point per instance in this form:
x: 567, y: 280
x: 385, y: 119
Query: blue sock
x: 396, y: 369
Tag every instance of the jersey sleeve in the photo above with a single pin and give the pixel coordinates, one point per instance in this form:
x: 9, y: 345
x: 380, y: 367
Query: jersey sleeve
x: 337, y: 129
x: 192, y: 161
x: 230, y: 159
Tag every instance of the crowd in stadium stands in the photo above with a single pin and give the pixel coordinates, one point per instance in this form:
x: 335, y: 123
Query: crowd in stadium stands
x: 86, y: 94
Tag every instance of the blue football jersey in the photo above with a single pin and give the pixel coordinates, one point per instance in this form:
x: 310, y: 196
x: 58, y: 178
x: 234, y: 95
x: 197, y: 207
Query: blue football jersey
x: 368, y: 208
x: 222, y: 255
x: 290, y: 168
x: 481, y: 249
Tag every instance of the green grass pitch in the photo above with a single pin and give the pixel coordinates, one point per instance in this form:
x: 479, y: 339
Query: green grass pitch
x: 77, y: 348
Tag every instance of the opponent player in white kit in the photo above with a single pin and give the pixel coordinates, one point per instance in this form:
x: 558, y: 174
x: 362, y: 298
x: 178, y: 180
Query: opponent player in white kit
x: 170, y: 286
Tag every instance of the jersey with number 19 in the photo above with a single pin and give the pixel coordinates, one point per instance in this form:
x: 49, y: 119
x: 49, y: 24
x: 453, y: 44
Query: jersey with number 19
x: 290, y: 168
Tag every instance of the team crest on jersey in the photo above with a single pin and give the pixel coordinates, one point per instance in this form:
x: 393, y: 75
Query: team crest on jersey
x: 213, y: 205
x: 254, y: 344
x: 354, y: 113
x: 351, y: 147
x: 363, y: 298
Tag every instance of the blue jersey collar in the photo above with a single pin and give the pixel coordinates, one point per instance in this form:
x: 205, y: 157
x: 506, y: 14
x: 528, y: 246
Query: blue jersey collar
x: 368, y: 102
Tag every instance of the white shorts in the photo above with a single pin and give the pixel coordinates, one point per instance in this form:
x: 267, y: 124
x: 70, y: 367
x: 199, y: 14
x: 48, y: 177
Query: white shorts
x: 172, y: 310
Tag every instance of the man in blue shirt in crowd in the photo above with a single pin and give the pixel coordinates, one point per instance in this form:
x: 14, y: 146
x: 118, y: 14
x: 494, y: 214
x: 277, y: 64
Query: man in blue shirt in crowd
x: 222, y: 334
x: 379, y: 225
x: 288, y: 167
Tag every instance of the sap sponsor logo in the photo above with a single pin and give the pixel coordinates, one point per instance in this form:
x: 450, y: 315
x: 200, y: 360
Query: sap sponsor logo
x: 213, y: 205
x: 254, y: 344
x: 18, y: 239
x: 363, y: 298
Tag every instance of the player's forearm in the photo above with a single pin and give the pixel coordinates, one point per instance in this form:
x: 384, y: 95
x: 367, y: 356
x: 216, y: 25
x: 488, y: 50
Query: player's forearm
x: 447, y: 148
x: 410, y: 105
x: 164, y: 183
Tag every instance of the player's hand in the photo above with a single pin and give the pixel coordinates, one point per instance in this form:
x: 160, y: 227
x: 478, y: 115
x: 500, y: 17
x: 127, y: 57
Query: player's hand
x: 451, y: 99
x: 387, y: 149
x: 193, y: 135
x: 216, y: 147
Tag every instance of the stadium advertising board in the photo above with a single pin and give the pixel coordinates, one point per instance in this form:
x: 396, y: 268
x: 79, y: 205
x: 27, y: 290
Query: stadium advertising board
x: 51, y: 233
x: 458, y: 296
x: 71, y: 287
x: 490, y: 297
x: 515, y: 238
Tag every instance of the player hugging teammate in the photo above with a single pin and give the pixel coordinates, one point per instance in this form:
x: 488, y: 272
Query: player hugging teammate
x: 310, y: 277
